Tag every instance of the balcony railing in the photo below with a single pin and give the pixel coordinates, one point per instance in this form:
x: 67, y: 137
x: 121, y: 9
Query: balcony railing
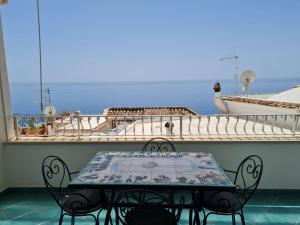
x: 153, y: 125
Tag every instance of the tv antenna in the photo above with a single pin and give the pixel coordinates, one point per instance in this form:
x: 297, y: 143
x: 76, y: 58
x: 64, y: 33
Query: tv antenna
x: 247, y: 77
x: 234, y: 59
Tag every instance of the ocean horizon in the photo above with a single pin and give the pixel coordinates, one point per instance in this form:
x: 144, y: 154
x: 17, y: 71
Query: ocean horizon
x: 94, y: 97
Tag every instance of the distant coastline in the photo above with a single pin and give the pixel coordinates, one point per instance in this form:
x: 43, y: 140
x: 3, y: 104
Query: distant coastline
x: 154, y: 81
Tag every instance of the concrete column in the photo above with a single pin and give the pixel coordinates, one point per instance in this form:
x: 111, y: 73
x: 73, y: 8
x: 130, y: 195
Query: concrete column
x: 6, y: 120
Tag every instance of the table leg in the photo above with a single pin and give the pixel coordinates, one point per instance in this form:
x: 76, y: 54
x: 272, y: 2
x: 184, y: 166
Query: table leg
x: 191, y: 216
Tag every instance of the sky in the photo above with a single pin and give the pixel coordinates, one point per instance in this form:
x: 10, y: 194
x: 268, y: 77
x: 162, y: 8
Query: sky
x: 146, y: 40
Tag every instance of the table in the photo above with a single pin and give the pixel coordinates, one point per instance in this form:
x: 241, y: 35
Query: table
x: 195, y: 171
x: 172, y: 170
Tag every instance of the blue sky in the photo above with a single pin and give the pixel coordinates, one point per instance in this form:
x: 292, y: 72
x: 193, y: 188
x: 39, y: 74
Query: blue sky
x: 145, y: 40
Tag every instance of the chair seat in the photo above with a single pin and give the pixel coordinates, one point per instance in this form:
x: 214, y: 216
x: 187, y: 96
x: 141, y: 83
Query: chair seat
x: 219, y: 201
x: 147, y: 215
x: 95, y: 201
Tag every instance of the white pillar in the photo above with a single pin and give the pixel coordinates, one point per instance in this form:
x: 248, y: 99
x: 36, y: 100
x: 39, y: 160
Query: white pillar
x: 6, y: 120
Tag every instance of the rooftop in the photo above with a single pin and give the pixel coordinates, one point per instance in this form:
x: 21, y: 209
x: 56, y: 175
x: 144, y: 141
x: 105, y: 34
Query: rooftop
x: 175, y: 111
x: 264, y: 102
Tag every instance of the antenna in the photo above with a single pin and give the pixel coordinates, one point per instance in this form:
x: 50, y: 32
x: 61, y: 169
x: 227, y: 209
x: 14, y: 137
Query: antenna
x: 235, y: 63
x: 247, y: 77
x: 40, y: 55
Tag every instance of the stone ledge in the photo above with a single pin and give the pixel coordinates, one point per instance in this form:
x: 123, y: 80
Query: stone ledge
x: 132, y: 139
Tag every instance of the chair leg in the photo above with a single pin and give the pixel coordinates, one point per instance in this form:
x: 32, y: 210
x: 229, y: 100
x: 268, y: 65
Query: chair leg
x: 61, y: 218
x: 72, y: 220
x: 233, y: 219
x: 191, y: 217
x: 98, y: 217
x: 194, y: 219
x: 205, y: 217
x: 197, y: 218
x: 242, y: 217
x: 108, y: 217
x: 117, y: 215
x: 111, y: 222
x: 205, y: 220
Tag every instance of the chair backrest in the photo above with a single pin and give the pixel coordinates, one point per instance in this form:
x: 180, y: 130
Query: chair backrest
x: 56, y: 176
x: 158, y: 144
x: 248, y: 177
x: 143, y: 200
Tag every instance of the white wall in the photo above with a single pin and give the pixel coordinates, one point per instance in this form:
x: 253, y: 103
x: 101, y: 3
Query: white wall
x: 2, y: 179
x: 281, y: 159
x: 2, y: 138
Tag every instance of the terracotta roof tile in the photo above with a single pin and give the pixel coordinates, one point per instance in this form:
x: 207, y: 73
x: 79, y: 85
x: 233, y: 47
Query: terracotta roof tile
x: 263, y: 102
x: 149, y: 111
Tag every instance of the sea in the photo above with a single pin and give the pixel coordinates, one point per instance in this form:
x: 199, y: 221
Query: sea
x: 94, y: 97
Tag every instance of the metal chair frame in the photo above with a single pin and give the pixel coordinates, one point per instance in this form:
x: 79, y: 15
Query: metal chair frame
x: 251, y: 166
x: 53, y: 168
x: 134, y: 198
x: 158, y: 144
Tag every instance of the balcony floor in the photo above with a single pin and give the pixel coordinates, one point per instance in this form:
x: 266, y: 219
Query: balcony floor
x: 36, y: 207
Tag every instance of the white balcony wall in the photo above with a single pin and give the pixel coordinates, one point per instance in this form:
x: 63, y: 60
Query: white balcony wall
x: 2, y: 179
x: 281, y: 159
x: 2, y: 139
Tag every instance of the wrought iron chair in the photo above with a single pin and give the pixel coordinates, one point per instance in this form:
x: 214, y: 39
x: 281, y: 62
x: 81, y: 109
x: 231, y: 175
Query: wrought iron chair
x: 147, y: 207
x: 246, y: 179
x: 158, y: 144
x: 73, y: 203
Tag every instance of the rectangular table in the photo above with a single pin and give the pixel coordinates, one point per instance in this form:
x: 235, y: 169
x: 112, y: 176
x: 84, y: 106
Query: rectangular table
x: 172, y: 170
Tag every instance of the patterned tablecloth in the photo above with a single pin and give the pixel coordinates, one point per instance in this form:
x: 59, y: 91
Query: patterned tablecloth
x: 168, y: 169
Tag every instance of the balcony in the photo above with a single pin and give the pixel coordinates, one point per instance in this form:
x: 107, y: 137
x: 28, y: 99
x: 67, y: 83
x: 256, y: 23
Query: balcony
x: 118, y: 126
x: 77, y: 138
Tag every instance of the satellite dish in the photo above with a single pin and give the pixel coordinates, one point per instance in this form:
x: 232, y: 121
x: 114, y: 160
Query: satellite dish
x: 247, y: 77
x: 49, y: 110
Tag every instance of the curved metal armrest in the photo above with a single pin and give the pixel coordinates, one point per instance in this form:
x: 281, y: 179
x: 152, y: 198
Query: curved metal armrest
x: 231, y: 171
x: 232, y: 174
x: 74, y: 173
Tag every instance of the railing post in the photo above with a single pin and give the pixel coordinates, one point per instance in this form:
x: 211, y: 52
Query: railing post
x: 161, y: 125
x: 151, y: 124
x: 180, y: 126
x: 133, y: 125
x: 296, y: 120
x: 143, y: 128
x: 16, y: 121
x: 125, y: 125
x: 217, y: 125
x: 78, y: 126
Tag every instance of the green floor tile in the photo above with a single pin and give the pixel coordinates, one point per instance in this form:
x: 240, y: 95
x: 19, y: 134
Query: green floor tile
x: 36, y: 207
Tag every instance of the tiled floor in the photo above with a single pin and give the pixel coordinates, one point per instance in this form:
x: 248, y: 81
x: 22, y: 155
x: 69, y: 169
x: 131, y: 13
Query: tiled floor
x: 36, y: 207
